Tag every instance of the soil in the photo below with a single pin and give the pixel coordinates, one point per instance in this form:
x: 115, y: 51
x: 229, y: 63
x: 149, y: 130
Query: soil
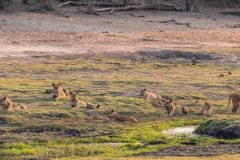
x: 66, y: 31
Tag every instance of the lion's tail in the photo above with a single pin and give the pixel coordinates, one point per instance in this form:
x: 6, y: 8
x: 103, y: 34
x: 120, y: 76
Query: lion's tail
x: 134, y: 120
x: 229, y: 100
x: 185, y: 110
x: 98, y: 106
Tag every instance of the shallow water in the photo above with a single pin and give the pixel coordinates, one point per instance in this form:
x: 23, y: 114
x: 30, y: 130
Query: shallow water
x: 181, y: 131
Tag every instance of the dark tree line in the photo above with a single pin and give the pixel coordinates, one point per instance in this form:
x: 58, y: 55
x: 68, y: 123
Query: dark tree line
x: 191, y: 5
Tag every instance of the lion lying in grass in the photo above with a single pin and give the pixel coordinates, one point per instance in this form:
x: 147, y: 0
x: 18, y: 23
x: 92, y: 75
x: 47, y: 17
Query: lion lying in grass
x: 116, y: 117
x: 76, y: 103
x: 145, y: 94
x: 58, y: 92
x: 7, y: 104
x: 173, y: 109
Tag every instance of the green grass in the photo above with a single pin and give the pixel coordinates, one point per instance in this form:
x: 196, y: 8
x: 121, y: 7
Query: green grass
x: 45, y: 131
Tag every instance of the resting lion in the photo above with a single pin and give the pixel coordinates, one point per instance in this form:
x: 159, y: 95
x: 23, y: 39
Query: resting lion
x: 59, y: 92
x: 145, y: 94
x: 235, y: 97
x: 76, y: 103
x: 207, y: 109
x: 7, y: 104
x: 114, y: 116
x: 173, y: 109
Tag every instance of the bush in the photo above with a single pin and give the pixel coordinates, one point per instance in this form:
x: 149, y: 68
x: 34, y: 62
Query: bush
x: 228, y: 129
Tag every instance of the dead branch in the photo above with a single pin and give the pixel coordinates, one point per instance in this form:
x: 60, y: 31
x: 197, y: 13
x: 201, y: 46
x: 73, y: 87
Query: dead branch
x: 163, y: 7
x: 234, y: 13
x: 111, y: 12
x: 173, y: 21
x: 70, y: 3
x: 85, y: 3
x: 127, y: 8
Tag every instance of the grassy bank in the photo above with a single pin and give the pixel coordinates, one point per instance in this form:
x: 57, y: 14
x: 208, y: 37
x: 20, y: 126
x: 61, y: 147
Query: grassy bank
x: 45, y: 130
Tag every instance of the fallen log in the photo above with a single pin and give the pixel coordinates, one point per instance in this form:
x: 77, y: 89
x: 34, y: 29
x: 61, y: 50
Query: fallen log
x: 126, y: 8
x: 234, y: 13
x: 70, y: 3
x: 172, y: 21
x: 85, y: 3
x: 162, y: 7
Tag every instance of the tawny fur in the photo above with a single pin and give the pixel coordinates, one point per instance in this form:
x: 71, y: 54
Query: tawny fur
x: 207, y: 109
x: 76, y: 103
x: 173, y: 109
x: 116, y: 117
x: 145, y: 94
x: 7, y: 104
x: 235, y: 97
x: 59, y: 92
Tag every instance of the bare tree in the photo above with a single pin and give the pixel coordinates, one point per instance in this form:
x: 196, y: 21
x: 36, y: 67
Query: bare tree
x: 191, y: 5
x: 4, y: 3
x: 47, y: 4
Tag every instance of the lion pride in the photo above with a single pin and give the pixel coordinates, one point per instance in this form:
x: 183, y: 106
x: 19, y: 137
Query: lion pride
x: 235, y: 97
x: 114, y: 116
x: 7, y: 104
x: 76, y: 103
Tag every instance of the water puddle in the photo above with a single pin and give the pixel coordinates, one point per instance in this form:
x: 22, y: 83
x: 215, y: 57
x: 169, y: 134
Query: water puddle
x: 181, y: 131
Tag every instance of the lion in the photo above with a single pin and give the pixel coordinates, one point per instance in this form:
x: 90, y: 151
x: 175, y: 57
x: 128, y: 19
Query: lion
x: 235, y: 97
x: 59, y: 92
x: 207, y: 109
x: 76, y: 103
x: 7, y: 104
x: 173, y: 109
x: 116, y: 117
x: 145, y: 94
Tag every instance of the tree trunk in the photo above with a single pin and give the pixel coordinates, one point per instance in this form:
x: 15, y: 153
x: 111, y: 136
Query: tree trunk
x: 25, y: 1
x: 4, y: 3
x: 191, y: 5
x: 46, y: 4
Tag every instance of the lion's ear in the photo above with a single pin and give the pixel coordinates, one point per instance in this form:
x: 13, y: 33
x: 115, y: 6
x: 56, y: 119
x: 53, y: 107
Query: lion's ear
x: 4, y: 98
x: 53, y: 84
x: 59, y: 84
x: 113, y: 111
